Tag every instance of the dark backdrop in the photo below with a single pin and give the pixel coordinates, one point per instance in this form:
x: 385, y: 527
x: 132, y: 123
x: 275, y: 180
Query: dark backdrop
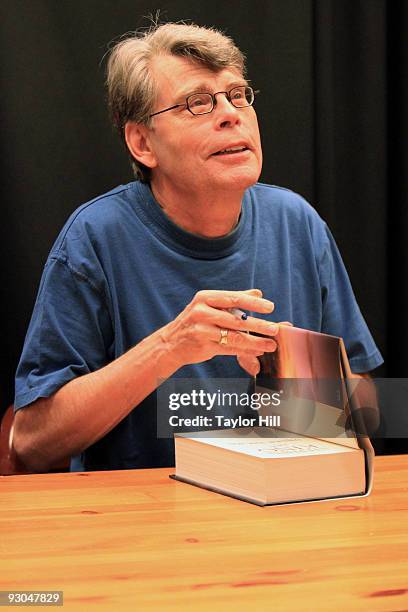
x: 332, y: 108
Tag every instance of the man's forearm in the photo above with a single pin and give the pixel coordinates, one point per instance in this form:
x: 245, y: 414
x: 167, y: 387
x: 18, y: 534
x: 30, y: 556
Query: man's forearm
x: 88, y: 407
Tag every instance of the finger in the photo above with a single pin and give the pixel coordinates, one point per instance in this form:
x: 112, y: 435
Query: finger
x: 229, y: 320
x: 253, y: 324
x: 256, y: 292
x: 247, y: 300
x: 203, y: 335
x: 239, y: 341
x: 260, y: 326
x: 216, y: 292
x: 249, y: 363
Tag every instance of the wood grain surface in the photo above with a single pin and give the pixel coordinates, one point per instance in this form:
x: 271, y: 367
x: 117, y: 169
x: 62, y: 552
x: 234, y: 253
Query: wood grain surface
x: 137, y: 540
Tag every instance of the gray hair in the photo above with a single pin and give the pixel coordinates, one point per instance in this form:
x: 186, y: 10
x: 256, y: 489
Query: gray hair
x: 131, y: 87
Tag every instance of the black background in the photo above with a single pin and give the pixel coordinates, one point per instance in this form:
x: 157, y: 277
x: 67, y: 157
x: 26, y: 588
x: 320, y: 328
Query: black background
x: 333, y: 114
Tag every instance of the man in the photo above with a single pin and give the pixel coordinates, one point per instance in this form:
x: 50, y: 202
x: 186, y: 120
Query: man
x: 138, y: 286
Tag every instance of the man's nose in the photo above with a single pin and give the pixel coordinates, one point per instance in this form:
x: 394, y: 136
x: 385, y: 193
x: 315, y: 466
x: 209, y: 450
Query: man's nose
x: 225, y: 112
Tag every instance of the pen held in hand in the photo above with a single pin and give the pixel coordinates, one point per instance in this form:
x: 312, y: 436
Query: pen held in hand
x: 239, y: 314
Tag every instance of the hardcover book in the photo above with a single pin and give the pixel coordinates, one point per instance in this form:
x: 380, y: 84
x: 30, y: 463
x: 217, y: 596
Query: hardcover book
x: 319, y: 451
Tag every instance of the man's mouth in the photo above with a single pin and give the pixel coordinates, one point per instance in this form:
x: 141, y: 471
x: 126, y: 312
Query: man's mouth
x: 231, y: 150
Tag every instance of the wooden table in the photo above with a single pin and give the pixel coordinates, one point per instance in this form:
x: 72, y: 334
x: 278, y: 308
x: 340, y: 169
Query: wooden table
x: 136, y: 540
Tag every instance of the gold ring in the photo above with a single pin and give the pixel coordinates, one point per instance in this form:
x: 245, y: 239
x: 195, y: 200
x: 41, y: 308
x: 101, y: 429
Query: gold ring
x: 224, y: 336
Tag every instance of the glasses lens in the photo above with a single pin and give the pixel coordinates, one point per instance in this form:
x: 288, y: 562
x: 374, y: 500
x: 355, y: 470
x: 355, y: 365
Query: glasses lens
x: 242, y: 96
x: 200, y: 103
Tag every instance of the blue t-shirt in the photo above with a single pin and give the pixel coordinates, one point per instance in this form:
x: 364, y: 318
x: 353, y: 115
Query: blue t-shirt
x: 121, y: 269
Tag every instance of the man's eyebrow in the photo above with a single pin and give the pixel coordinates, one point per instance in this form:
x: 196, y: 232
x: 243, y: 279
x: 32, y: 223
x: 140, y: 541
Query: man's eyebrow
x: 204, y: 87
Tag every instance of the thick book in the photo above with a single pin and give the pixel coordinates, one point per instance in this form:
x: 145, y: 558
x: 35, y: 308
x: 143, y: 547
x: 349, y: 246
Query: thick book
x: 316, y: 452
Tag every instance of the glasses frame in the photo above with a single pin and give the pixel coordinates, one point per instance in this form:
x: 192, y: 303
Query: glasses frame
x: 213, y: 99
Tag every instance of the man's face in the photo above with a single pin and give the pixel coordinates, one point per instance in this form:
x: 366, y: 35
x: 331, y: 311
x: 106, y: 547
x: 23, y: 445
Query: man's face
x: 186, y: 147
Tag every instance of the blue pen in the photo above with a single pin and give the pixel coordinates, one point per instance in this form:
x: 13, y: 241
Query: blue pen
x: 240, y: 314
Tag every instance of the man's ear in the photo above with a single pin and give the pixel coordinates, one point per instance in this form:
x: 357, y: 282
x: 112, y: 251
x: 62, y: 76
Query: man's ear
x: 138, y: 142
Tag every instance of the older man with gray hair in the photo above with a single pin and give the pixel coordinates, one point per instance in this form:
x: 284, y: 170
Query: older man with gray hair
x: 140, y: 284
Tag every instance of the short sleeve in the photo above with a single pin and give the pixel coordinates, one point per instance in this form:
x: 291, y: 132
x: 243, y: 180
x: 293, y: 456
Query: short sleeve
x: 70, y: 333
x: 341, y: 314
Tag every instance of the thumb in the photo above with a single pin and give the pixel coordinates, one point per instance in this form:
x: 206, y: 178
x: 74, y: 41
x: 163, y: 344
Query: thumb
x: 249, y: 363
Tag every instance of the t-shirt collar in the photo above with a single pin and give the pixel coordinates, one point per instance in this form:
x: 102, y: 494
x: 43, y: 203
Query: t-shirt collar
x: 179, y: 239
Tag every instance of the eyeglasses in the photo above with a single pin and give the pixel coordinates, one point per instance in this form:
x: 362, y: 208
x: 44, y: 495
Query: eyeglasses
x: 204, y: 103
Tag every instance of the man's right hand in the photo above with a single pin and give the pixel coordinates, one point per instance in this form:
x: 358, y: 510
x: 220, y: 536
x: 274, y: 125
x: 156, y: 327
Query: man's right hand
x: 47, y: 430
x: 195, y: 335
